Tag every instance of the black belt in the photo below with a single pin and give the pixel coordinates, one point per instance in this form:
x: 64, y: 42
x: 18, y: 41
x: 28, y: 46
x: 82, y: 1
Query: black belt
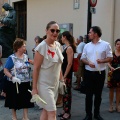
x: 95, y: 71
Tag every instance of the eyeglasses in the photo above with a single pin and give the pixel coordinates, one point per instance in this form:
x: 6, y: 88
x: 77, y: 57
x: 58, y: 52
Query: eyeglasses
x: 53, y: 30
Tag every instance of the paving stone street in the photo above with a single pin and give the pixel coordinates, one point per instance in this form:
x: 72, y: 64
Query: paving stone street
x: 78, y: 108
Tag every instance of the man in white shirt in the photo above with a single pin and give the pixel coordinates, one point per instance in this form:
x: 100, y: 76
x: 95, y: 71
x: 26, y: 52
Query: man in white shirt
x: 79, y: 73
x: 95, y: 56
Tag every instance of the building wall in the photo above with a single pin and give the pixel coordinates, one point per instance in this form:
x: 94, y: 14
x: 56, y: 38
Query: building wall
x: 40, y: 12
x: 117, y: 20
x: 60, y: 11
x: 104, y: 19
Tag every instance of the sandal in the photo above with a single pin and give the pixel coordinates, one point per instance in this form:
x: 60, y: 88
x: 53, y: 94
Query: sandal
x: 111, y: 109
x: 118, y: 109
x: 13, y: 118
x: 25, y: 119
x: 65, y: 118
x: 60, y: 114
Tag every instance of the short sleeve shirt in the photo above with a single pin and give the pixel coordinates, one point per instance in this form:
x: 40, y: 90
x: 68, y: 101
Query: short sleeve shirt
x: 80, y: 47
x: 9, y: 63
x: 92, y: 52
x: 18, y: 66
x: 46, y: 51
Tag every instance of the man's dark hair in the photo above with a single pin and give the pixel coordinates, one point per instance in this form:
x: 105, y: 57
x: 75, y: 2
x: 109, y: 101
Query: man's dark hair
x: 97, y: 30
x: 39, y: 39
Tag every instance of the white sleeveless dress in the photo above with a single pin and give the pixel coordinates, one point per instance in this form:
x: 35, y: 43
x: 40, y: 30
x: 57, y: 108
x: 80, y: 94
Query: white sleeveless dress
x: 49, y: 74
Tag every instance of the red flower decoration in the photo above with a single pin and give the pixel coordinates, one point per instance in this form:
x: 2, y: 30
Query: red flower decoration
x: 50, y: 52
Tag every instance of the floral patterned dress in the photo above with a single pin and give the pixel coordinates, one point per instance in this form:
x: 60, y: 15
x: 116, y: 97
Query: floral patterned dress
x: 67, y: 97
x: 112, y: 82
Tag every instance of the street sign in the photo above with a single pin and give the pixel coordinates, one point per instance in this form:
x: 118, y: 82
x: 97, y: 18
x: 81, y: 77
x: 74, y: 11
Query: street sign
x: 93, y: 3
x: 93, y: 10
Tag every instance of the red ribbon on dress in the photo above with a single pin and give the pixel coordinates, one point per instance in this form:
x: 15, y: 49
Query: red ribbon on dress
x: 52, y: 53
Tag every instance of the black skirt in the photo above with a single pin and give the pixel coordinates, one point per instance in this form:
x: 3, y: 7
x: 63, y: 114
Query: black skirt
x: 19, y: 100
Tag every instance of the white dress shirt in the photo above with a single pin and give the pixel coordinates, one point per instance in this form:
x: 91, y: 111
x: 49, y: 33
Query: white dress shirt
x: 92, y: 52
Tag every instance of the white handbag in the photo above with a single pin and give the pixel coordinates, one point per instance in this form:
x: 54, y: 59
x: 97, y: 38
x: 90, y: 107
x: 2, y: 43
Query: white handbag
x: 62, y: 87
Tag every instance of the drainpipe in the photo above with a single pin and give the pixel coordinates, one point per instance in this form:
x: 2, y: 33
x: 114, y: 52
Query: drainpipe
x: 113, y: 23
x: 89, y: 19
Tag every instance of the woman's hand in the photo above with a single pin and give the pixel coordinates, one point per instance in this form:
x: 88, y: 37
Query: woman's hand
x: 112, y: 69
x: 14, y: 80
x: 65, y: 80
x: 34, y: 91
x: 31, y: 61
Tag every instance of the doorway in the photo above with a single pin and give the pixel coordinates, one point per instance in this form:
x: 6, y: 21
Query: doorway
x: 21, y: 12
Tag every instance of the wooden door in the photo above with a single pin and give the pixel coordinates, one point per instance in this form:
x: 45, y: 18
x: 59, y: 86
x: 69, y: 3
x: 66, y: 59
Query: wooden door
x: 21, y: 13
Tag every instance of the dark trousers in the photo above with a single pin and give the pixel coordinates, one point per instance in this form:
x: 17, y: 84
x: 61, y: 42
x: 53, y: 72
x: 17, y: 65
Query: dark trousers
x: 94, y: 85
x: 67, y: 97
x: 3, y: 79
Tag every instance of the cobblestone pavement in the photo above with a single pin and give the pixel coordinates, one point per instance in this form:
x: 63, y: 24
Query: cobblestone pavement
x: 78, y: 108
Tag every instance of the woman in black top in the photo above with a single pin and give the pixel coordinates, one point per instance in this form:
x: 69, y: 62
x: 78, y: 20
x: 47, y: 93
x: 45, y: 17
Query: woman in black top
x: 68, y: 54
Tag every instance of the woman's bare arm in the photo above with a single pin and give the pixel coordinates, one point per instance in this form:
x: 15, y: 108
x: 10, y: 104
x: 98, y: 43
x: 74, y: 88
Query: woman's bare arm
x: 7, y: 73
x: 70, y: 55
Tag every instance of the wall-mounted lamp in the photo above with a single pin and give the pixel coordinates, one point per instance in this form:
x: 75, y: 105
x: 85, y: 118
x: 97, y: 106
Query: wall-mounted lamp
x: 76, y: 4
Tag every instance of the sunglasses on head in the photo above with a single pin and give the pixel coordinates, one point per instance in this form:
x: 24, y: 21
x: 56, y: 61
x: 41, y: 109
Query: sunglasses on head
x: 53, y: 30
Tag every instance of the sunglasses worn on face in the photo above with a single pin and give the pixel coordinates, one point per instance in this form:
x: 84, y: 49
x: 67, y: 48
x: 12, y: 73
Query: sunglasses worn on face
x: 53, y: 30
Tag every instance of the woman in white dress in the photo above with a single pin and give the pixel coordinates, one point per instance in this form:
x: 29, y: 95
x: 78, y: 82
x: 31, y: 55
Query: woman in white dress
x: 47, y: 68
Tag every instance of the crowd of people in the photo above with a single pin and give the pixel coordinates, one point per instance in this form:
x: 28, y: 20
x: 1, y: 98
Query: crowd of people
x: 53, y: 57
